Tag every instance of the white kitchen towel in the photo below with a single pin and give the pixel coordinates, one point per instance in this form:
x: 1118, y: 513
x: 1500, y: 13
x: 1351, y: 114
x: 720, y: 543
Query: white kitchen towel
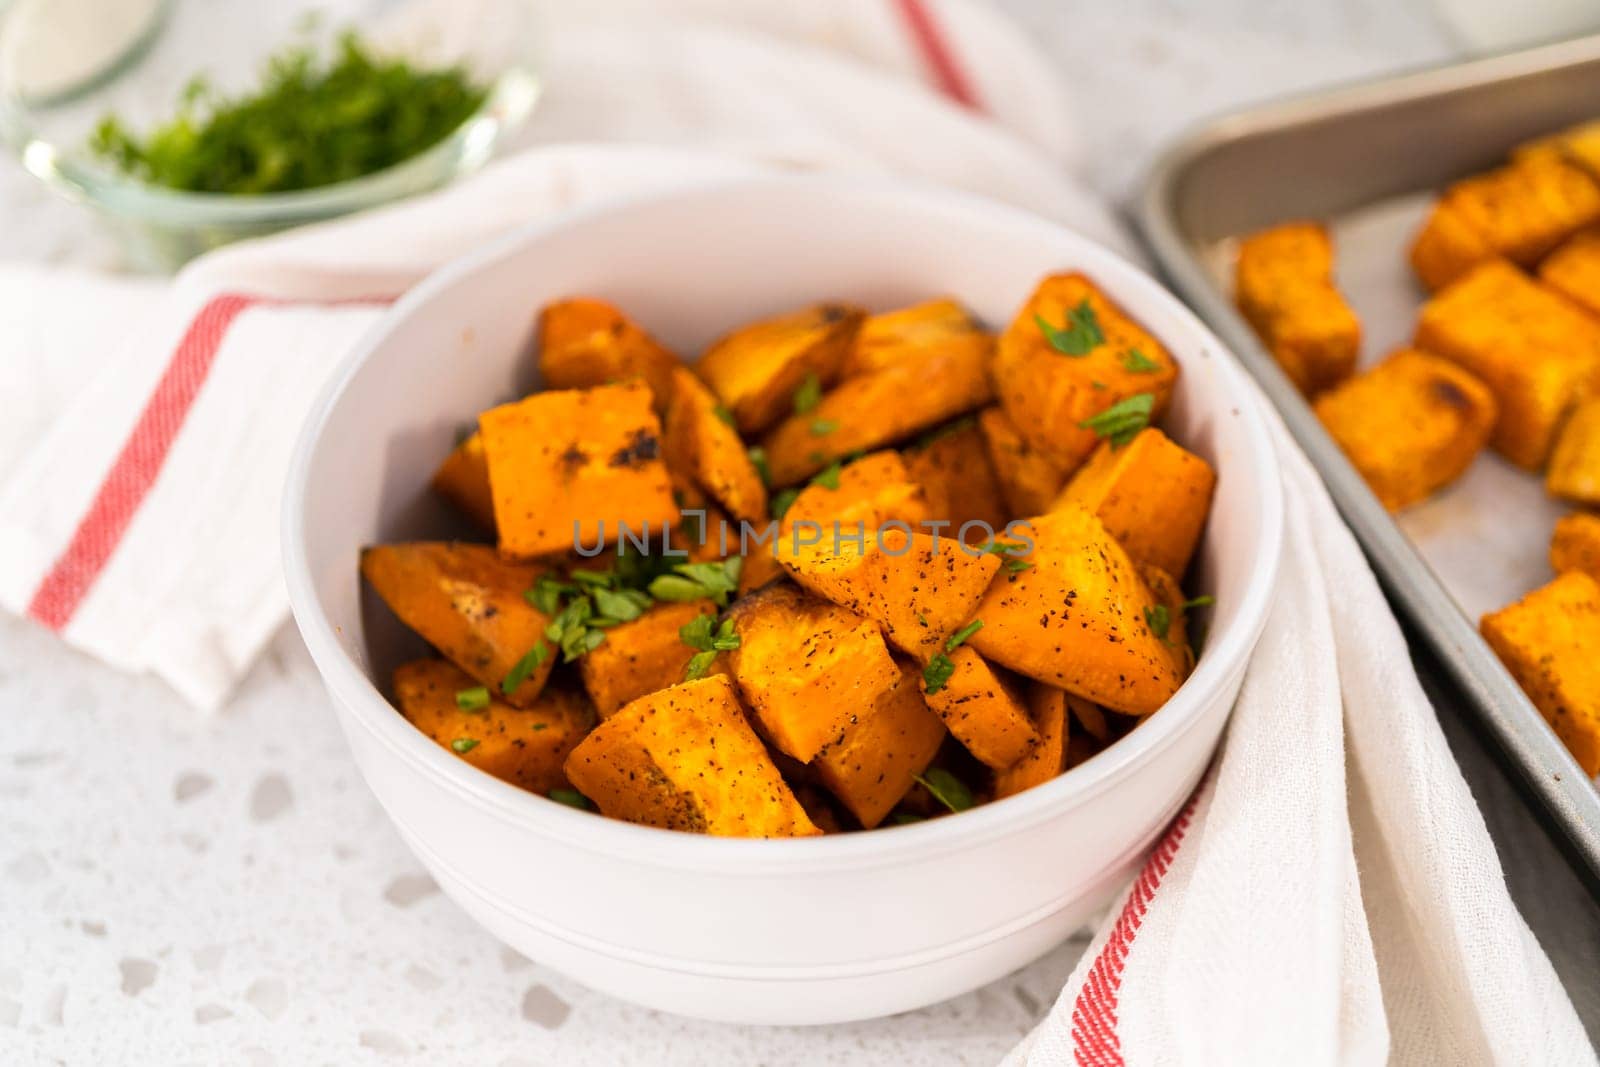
x: 1330, y: 895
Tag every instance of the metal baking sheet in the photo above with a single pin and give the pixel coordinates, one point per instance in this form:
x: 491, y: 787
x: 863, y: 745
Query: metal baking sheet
x: 1368, y: 160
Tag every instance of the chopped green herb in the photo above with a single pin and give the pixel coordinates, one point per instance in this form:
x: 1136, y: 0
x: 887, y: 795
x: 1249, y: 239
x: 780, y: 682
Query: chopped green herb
x: 699, y: 581
x: 722, y: 412
x: 905, y: 818
x: 312, y: 122
x: 1199, y: 602
x: 474, y: 699
x: 1097, y: 385
x: 1122, y: 421
x: 546, y: 594
x: 1080, y: 336
x: 780, y: 503
x: 959, y: 638
x: 463, y: 745
x: 946, y: 788
x: 530, y: 662
x: 823, y: 427
x: 1136, y: 362
x: 623, y: 605
x: 1159, y: 619
x: 809, y: 395
x: 758, y: 460
x: 828, y: 477
x: 937, y: 673
x: 571, y: 798
x: 922, y: 620
x: 602, y: 579
x: 699, y: 664
x: 1007, y: 551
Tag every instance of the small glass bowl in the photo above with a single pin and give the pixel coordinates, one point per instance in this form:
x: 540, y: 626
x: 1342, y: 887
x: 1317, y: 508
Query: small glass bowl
x: 66, y: 64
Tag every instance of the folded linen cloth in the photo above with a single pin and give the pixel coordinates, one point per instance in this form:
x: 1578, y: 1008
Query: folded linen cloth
x: 1303, y: 909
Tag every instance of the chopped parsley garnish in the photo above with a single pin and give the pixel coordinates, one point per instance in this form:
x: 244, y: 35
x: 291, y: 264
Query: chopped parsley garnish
x: 473, y: 699
x: 1122, y: 421
x: 828, y: 477
x: 1081, y: 334
x: 721, y: 411
x: 1159, y: 619
x: 571, y: 798
x: 780, y: 503
x: 463, y: 745
x: 699, y: 633
x: 312, y: 122
x: 758, y: 460
x: 905, y: 818
x: 1008, y: 552
x: 959, y: 638
x: 809, y: 395
x: 532, y: 661
x: 937, y: 673
x: 1136, y: 362
x: 547, y: 592
x: 1199, y: 602
x: 624, y: 605
x: 946, y: 788
x: 699, y: 581
x: 823, y: 427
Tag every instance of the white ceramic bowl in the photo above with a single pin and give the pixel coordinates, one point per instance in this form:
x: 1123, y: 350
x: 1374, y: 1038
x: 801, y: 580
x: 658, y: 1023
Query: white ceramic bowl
x: 790, y: 931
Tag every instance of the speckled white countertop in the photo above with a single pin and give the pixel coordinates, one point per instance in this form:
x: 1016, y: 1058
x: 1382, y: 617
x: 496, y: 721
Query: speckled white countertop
x: 178, y: 891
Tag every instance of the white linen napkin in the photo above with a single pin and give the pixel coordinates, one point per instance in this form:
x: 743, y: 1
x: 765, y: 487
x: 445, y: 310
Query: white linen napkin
x: 1306, y: 908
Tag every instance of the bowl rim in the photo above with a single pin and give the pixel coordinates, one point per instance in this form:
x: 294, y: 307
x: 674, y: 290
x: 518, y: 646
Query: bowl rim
x: 358, y: 698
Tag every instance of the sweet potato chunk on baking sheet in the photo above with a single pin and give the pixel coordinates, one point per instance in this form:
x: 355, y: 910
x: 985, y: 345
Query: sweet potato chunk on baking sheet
x: 525, y: 746
x: 1574, y: 472
x: 1573, y: 270
x: 466, y: 601
x: 1284, y: 285
x: 685, y: 758
x: 1550, y: 642
x: 1575, y: 545
x: 1411, y: 425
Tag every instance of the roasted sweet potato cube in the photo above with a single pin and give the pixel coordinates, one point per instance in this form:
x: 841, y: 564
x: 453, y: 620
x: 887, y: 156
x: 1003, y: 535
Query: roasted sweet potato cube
x: 918, y: 588
x: 883, y: 407
x: 710, y: 452
x: 585, y: 342
x: 879, y: 756
x: 1152, y: 494
x: 1550, y: 642
x: 1522, y: 210
x: 1078, y: 618
x: 1049, y: 393
x: 1574, y: 472
x: 756, y: 369
x: 568, y: 466
x: 641, y: 656
x: 467, y: 602
x: 807, y: 668
x: 983, y: 710
x: 873, y: 490
x: 1284, y: 285
x: 1536, y: 352
x: 524, y: 746
x: 1029, y: 478
x: 1447, y: 247
x: 1578, y: 145
x: 1573, y: 270
x: 1091, y: 718
x: 761, y: 568
x: 463, y: 479
x: 685, y: 758
x: 1411, y: 425
x: 912, y: 334
x: 1576, y: 544
x: 1169, y: 618
x: 1047, y: 709
x: 954, y: 469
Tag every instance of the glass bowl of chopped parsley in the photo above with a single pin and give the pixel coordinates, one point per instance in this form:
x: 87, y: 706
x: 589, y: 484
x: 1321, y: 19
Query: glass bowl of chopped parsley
x: 187, y: 125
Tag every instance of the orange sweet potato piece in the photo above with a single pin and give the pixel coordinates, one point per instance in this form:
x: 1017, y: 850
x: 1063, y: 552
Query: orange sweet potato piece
x: 524, y: 746
x: 1411, y: 425
x: 463, y: 479
x: 568, y: 466
x: 1576, y: 544
x: 1048, y: 394
x: 912, y: 333
x: 911, y: 393
x: 1447, y: 246
x: 919, y: 589
x: 1169, y: 619
x: 1284, y: 285
x: 806, y: 668
x: 1047, y: 708
x: 641, y: 656
x: 983, y: 710
x: 686, y: 759
x: 877, y: 759
x: 1550, y: 642
x: 873, y: 490
x: 466, y: 601
x: 756, y: 369
x: 1077, y: 618
x: 1029, y: 478
x: 1536, y: 352
x: 1573, y: 270
x: 955, y: 471
x: 1574, y: 472
x: 1578, y: 145
x: 1152, y: 494
x: 585, y: 342
x: 709, y: 451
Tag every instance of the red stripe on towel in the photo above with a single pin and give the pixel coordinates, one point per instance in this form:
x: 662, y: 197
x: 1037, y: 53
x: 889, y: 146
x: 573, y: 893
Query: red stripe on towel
x: 1095, y: 1042
x: 122, y: 491
x: 931, y: 41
